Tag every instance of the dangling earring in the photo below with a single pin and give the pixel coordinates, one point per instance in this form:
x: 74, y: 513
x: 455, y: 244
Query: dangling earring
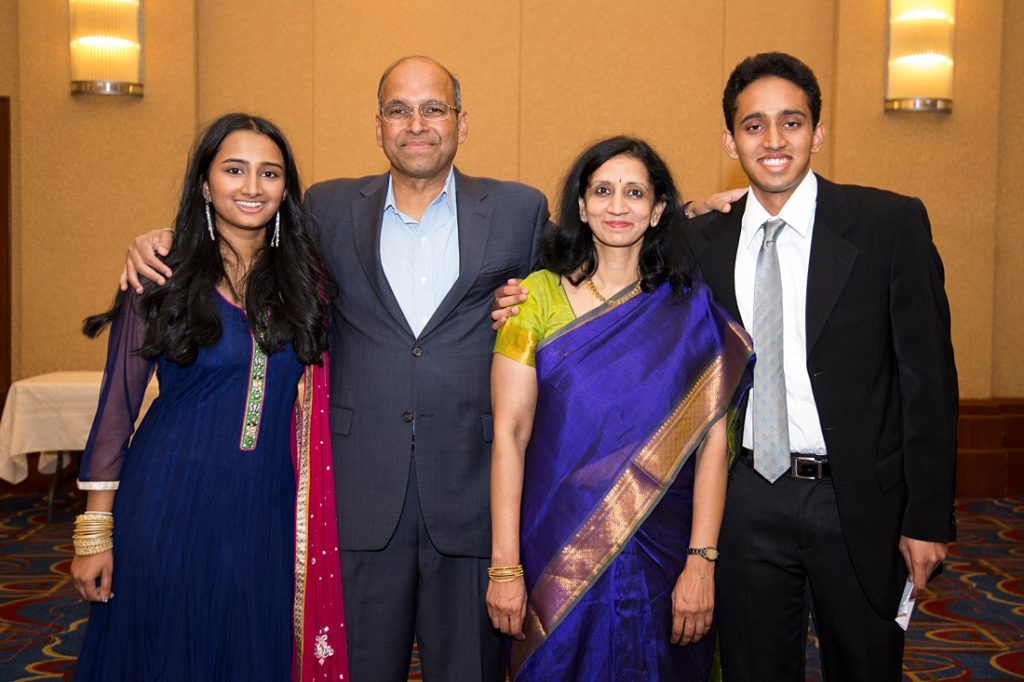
x: 209, y: 222
x: 276, y: 239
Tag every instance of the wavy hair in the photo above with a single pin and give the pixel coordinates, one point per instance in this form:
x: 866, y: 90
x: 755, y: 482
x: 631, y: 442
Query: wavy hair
x: 286, y: 289
x: 569, y: 247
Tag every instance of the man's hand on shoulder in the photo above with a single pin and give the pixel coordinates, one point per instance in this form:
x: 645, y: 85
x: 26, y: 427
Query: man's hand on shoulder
x: 505, y: 299
x: 143, y: 259
x: 720, y: 202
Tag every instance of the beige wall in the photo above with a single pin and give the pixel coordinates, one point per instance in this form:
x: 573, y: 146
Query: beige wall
x: 1008, y: 301
x: 93, y: 171
x: 950, y: 161
x: 541, y: 79
x: 8, y: 88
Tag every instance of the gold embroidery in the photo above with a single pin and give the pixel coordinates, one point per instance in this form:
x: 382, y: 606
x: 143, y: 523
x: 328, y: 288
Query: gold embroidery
x: 254, y: 398
x: 304, y: 412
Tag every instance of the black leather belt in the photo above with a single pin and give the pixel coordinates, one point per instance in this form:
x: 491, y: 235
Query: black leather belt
x: 802, y: 466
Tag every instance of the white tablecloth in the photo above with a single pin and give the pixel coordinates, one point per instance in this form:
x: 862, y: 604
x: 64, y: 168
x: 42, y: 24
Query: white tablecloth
x: 47, y: 413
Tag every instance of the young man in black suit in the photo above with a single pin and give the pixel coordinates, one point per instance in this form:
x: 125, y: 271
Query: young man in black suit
x: 857, y: 372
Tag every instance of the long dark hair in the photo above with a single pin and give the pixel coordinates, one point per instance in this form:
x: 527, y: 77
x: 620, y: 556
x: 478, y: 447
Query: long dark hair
x: 569, y: 247
x: 286, y: 286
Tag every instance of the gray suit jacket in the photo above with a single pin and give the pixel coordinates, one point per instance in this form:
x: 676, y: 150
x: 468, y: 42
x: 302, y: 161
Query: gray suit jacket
x: 389, y: 387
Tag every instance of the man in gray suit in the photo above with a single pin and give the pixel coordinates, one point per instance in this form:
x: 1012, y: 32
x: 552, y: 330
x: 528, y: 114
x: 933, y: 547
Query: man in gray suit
x: 416, y: 254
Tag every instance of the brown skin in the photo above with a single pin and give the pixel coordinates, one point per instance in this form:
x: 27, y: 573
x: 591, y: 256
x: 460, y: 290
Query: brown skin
x: 508, y: 297
x: 86, y: 569
x: 619, y: 207
x: 420, y: 152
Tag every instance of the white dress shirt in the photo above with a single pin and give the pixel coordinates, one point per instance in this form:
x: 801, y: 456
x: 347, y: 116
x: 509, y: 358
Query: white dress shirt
x: 421, y: 258
x: 794, y: 249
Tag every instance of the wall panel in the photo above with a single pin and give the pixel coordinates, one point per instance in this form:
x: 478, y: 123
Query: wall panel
x: 1008, y: 303
x: 594, y: 69
x: 94, y: 171
x: 949, y: 161
x: 804, y: 28
x: 356, y: 41
x: 259, y: 61
x: 541, y: 80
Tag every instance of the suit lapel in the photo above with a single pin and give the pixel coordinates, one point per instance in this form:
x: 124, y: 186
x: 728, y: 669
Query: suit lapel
x: 832, y: 257
x: 718, y: 260
x: 367, y: 216
x: 474, y: 216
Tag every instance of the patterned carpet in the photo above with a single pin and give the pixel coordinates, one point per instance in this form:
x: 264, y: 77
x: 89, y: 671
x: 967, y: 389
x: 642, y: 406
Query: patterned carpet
x: 969, y: 625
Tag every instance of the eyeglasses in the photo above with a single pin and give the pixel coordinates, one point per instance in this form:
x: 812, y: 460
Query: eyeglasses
x: 430, y: 111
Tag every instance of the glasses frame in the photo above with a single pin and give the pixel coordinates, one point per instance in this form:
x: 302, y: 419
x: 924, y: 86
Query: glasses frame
x: 416, y: 110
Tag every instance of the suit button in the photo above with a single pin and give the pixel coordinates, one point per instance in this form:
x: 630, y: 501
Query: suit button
x: 417, y: 351
x: 407, y: 416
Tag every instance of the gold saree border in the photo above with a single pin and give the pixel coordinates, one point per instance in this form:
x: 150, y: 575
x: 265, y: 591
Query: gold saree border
x: 303, y: 417
x: 639, y: 488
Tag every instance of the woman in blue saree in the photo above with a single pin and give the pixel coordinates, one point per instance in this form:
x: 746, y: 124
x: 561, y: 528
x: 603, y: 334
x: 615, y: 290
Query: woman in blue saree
x: 617, y: 369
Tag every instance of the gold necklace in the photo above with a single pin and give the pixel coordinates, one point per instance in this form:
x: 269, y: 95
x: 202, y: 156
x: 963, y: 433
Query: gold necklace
x: 597, y: 294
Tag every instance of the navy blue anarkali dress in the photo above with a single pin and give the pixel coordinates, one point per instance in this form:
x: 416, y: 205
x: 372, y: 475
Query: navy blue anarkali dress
x: 204, y: 514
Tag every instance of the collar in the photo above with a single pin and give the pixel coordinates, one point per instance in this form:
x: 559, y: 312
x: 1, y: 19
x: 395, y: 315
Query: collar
x: 447, y: 194
x: 798, y: 211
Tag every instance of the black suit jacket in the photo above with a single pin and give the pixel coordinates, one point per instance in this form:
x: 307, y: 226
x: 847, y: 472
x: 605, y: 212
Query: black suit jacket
x: 880, y: 361
x: 387, y: 384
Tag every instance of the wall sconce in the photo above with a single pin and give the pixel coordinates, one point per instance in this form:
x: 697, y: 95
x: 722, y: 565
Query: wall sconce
x: 920, y: 59
x: 106, y: 46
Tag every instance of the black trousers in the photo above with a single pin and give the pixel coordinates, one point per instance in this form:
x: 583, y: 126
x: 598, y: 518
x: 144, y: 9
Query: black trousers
x: 409, y: 588
x: 782, y: 556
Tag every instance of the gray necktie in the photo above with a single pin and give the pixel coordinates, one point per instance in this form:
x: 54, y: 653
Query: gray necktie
x: 771, y: 424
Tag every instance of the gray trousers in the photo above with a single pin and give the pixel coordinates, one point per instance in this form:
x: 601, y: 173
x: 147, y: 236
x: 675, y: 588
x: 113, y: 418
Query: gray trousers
x: 410, y: 589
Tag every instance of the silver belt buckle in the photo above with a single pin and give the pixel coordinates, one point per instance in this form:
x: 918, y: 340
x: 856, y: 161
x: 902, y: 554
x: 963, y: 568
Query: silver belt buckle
x: 794, y: 467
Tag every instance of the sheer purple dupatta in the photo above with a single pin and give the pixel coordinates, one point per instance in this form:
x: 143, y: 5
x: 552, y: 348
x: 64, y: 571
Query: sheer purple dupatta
x: 320, y: 650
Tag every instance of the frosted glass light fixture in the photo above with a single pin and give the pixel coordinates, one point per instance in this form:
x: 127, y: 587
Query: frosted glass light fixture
x: 920, y: 59
x: 106, y: 46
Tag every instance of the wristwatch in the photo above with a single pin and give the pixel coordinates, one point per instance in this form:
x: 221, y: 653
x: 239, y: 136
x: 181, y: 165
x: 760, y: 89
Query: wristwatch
x: 709, y: 553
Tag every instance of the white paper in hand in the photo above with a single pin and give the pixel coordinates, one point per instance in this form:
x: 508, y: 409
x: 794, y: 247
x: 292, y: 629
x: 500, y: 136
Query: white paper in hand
x: 906, y: 606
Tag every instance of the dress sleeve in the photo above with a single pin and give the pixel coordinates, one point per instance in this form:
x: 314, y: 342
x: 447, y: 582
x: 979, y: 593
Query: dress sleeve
x: 124, y: 386
x: 519, y: 336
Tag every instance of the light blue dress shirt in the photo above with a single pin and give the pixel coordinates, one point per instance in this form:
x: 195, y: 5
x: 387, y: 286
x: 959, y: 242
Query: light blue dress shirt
x: 421, y: 259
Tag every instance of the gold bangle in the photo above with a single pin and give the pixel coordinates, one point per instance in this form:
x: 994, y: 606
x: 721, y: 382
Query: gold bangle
x: 505, y: 574
x: 93, y: 533
x: 169, y: 229
x: 88, y: 548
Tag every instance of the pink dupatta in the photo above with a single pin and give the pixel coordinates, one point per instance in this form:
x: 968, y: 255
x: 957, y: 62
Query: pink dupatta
x: 320, y: 651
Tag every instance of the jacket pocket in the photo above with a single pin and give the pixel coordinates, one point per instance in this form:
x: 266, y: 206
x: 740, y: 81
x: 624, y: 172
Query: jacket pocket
x: 889, y: 469
x: 341, y: 420
x: 487, y: 421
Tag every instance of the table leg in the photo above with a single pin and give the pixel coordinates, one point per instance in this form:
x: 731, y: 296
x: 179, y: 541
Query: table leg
x: 53, y: 485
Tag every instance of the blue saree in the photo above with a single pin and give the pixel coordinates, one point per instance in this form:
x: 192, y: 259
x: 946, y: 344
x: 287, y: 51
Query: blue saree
x: 625, y: 396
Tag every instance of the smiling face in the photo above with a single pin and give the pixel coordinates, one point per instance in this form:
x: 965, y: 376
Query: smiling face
x: 419, y: 149
x: 245, y: 183
x: 619, y: 203
x: 774, y: 138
